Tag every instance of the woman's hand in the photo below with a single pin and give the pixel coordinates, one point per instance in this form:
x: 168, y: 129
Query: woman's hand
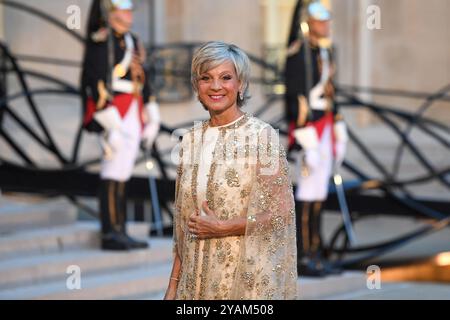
x: 209, y: 226
x: 205, y: 227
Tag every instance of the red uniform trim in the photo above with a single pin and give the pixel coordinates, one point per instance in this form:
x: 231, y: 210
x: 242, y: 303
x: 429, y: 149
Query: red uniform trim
x: 121, y: 101
x: 319, y: 125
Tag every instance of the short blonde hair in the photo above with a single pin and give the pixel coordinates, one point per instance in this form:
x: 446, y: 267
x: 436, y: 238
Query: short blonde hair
x: 213, y: 54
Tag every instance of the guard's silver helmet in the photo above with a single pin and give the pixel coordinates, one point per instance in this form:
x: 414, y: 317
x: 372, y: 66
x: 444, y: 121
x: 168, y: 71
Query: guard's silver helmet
x: 122, y: 4
x: 317, y: 11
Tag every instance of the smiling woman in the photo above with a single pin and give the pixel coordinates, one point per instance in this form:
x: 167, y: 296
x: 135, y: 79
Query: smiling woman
x: 221, y: 70
x: 234, y: 225
x: 218, y: 88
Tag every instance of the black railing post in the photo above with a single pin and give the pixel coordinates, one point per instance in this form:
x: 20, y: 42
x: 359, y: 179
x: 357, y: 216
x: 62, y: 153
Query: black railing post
x: 3, y: 84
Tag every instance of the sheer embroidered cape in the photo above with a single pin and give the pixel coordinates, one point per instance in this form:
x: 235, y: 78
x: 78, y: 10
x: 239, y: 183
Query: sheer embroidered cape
x: 249, y: 177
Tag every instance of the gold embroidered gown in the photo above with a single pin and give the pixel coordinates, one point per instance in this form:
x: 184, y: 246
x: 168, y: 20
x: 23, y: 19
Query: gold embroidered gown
x: 248, y: 177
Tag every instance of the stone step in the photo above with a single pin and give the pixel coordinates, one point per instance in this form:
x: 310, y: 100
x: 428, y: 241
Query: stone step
x: 43, y: 268
x: 59, y: 239
x: 120, y: 284
x: 156, y: 295
x: 18, y: 216
x: 310, y: 288
x: 399, y: 291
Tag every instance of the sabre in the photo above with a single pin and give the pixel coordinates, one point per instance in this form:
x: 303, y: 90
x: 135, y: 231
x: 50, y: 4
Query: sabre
x: 337, y: 179
x: 154, y: 195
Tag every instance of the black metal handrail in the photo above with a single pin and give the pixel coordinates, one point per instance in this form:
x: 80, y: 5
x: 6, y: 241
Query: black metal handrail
x: 394, y: 190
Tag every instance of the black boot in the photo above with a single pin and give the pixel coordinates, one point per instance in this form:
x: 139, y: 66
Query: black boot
x: 310, y: 268
x: 111, y: 239
x: 302, y: 242
x: 318, y: 258
x: 307, y: 242
x: 305, y: 265
x: 122, y: 214
x: 315, y: 227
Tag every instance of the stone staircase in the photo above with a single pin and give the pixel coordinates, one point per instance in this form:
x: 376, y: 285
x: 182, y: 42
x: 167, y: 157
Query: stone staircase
x: 398, y: 291
x: 40, y: 240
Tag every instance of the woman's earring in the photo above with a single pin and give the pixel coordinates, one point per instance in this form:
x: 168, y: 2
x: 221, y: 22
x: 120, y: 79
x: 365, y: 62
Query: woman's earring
x: 241, y: 95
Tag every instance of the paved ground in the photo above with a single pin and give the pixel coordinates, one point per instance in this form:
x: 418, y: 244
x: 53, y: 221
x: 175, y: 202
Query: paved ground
x: 399, y: 291
x: 43, y: 238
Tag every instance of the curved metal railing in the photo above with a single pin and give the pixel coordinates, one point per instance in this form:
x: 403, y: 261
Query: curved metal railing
x: 392, y: 188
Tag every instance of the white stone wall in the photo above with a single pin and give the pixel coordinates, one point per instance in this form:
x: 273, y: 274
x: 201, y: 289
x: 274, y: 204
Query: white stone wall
x: 410, y: 52
x: 233, y: 21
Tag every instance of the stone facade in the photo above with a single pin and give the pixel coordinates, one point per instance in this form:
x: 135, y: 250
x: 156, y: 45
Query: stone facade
x: 410, y: 52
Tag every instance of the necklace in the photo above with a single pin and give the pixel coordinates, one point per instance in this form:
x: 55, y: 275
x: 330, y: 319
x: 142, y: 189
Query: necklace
x: 233, y: 125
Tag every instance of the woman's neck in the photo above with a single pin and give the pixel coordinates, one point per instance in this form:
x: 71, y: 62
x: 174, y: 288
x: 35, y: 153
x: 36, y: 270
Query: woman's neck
x: 224, y: 118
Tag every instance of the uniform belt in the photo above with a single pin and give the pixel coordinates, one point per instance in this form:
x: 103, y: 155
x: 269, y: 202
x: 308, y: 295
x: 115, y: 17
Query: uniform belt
x: 124, y: 86
x: 319, y: 107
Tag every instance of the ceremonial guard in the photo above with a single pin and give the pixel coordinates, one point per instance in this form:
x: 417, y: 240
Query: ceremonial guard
x: 316, y: 128
x: 118, y: 105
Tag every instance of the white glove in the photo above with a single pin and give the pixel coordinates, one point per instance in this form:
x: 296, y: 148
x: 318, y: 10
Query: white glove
x: 307, y: 137
x: 341, y: 135
x: 341, y: 148
x: 340, y: 131
x: 109, y: 118
x: 152, y: 109
x: 309, y: 140
x: 152, y: 127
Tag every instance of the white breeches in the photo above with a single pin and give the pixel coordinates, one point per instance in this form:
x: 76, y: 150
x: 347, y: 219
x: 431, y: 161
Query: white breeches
x: 314, y: 187
x: 120, y: 166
